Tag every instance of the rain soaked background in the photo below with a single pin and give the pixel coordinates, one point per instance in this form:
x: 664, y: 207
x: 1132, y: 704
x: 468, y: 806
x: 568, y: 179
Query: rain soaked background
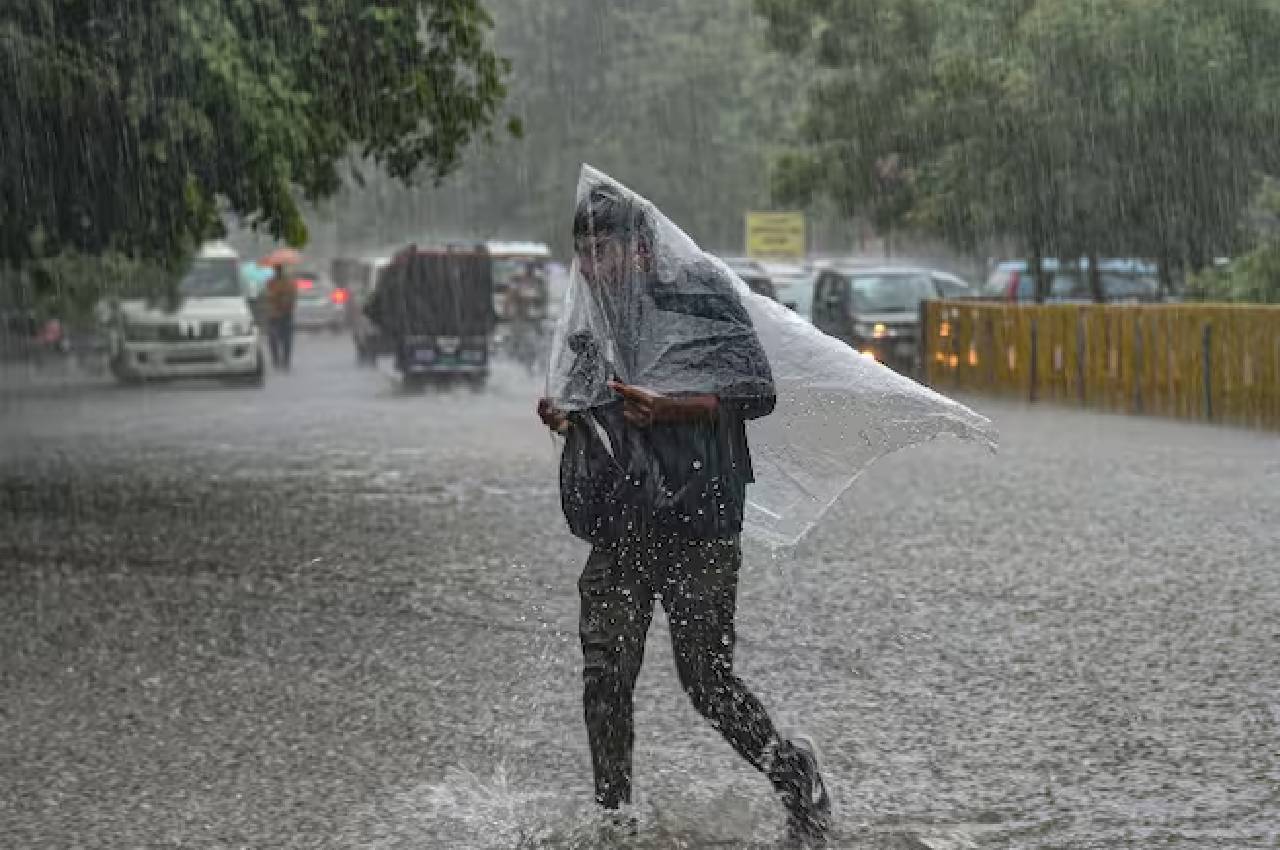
x: 335, y: 611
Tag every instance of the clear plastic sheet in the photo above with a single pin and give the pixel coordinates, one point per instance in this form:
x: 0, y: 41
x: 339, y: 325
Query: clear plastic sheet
x: 646, y: 306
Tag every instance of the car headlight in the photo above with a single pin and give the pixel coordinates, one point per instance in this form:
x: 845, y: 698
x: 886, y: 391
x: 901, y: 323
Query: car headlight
x: 237, y: 327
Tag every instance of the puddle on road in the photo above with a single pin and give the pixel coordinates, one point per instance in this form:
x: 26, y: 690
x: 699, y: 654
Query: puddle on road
x: 498, y: 811
x: 481, y: 812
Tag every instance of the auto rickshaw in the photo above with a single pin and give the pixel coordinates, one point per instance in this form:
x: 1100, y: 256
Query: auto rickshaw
x: 435, y: 310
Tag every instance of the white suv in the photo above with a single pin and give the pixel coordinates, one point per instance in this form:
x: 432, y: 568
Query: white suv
x: 210, y: 333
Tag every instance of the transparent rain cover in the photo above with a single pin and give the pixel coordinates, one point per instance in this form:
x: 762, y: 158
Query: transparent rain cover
x: 646, y: 305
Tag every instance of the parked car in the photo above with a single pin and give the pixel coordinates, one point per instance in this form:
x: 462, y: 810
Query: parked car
x: 1123, y: 281
x: 321, y: 305
x: 797, y: 293
x: 876, y: 310
x: 952, y: 286
x: 793, y: 286
x: 846, y: 262
x: 209, y: 331
x: 358, y: 277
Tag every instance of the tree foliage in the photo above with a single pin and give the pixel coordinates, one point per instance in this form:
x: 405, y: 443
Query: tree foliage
x: 679, y: 97
x: 1255, y: 276
x: 133, y: 125
x: 1090, y: 127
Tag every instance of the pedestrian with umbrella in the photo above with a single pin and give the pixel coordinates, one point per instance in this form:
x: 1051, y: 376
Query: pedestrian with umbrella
x: 281, y: 299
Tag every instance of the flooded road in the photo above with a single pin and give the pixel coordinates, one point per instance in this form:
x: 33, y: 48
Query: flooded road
x: 331, y: 614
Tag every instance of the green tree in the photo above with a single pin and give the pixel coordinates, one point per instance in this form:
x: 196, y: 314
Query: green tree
x: 134, y: 127
x: 1253, y: 277
x: 1078, y: 128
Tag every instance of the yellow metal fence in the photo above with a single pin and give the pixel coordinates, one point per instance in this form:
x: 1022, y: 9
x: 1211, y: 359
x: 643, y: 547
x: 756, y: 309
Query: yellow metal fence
x: 1213, y: 362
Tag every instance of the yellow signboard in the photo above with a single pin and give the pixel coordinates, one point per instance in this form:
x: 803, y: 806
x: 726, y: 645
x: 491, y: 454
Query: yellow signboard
x: 775, y: 234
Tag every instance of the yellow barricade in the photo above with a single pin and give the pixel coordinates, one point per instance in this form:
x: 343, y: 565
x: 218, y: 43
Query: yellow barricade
x: 1212, y: 362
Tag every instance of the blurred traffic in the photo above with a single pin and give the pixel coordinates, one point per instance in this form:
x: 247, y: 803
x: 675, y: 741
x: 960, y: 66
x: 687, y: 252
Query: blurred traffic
x: 214, y: 322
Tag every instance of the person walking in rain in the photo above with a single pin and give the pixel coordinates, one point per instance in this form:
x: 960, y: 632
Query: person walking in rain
x: 656, y: 371
x: 281, y: 299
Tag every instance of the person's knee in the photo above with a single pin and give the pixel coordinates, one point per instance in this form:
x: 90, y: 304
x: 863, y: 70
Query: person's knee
x: 708, y: 688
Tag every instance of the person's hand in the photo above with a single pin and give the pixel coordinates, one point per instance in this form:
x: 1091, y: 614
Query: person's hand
x: 552, y: 417
x: 639, y: 406
x: 643, y: 408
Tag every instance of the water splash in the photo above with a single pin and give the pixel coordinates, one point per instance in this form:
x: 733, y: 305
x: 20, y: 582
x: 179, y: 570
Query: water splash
x: 503, y: 810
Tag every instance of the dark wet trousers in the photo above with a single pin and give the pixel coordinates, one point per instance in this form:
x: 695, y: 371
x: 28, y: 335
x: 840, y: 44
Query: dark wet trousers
x: 280, y: 340
x: 697, y: 581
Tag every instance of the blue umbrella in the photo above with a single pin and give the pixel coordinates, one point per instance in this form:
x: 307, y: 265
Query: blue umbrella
x: 255, y: 277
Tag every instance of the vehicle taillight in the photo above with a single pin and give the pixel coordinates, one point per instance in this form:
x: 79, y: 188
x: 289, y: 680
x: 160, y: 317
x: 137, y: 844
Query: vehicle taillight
x: 305, y: 284
x: 339, y: 296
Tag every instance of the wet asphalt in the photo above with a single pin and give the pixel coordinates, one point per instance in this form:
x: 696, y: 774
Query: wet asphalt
x: 330, y: 614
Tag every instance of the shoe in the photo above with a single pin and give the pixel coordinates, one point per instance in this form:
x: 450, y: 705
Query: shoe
x: 805, y: 794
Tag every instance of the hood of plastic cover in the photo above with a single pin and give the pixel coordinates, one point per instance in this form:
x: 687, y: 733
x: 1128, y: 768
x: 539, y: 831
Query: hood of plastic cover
x: 646, y: 305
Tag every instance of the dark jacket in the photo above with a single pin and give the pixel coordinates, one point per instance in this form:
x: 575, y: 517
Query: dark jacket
x: 688, y: 478
x: 704, y: 468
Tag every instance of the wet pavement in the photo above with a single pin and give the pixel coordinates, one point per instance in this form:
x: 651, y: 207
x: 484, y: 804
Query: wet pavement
x: 331, y: 614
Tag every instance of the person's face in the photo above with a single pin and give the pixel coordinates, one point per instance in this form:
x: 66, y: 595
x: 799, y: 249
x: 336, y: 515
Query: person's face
x: 602, y: 259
